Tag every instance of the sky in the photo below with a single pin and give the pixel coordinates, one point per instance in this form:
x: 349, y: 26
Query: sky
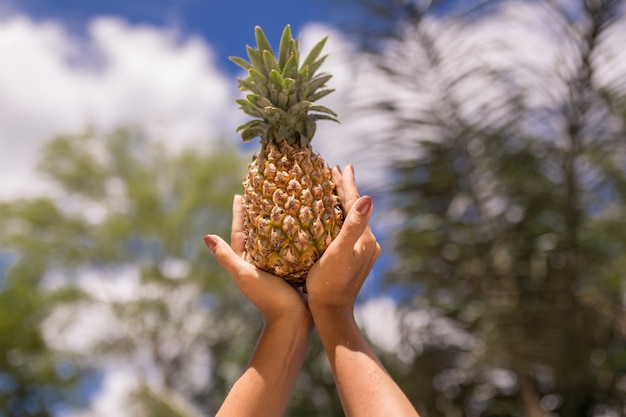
x: 162, y: 65
x: 158, y: 65
x: 227, y: 25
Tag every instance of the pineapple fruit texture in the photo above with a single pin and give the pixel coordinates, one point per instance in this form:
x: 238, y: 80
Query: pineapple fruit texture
x: 292, y: 211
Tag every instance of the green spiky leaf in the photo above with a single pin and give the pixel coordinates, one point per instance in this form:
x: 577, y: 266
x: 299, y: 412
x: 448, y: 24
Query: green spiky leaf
x: 320, y: 94
x: 258, y: 100
x: 270, y: 62
x: 316, y: 65
x: 249, y: 85
x: 253, y: 129
x: 315, y: 52
x: 276, y: 78
x: 285, y: 51
x: 290, y: 68
x: 261, y: 41
x: 316, y: 117
x: 322, y: 109
x: 248, y: 108
x: 282, y: 91
x: 256, y: 59
x: 241, y: 62
x: 318, y: 82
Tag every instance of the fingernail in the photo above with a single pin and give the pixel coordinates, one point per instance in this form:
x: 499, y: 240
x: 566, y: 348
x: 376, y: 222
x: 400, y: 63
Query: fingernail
x: 210, y: 242
x: 363, y: 205
x: 338, y: 168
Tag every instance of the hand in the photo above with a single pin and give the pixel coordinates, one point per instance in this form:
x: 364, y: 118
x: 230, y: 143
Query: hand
x: 337, y: 277
x: 274, y: 297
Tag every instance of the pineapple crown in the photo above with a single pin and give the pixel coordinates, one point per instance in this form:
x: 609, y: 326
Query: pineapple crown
x: 282, y: 91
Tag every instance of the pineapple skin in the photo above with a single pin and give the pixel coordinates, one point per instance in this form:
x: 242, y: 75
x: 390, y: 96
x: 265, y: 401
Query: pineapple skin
x: 291, y: 210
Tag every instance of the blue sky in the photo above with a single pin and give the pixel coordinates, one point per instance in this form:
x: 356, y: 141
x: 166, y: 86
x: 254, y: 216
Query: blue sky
x: 226, y: 25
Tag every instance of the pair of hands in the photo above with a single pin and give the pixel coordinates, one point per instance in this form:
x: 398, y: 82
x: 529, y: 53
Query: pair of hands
x: 333, y: 283
x: 335, y: 280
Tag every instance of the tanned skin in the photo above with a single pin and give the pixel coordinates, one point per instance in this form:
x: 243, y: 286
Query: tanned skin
x: 264, y: 388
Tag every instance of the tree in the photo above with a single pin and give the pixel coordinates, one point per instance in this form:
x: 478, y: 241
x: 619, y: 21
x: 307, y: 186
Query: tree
x: 126, y: 215
x: 109, y: 276
x: 511, y: 188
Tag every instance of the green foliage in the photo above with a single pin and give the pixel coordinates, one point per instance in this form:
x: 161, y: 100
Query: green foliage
x: 283, y: 91
x: 122, y: 203
x: 120, y: 245
x: 30, y: 381
x: 513, y: 216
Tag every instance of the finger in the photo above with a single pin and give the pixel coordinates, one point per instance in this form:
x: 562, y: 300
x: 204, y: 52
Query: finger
x: 349, y: 188
x: 367, y: 242
x: 354, y: 226
x: 225, y: 255
x: 336, y: 176
x: 237, y: 235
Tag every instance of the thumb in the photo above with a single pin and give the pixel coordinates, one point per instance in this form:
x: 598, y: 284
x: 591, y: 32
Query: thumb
x: 224, y: 254
x: 355, y: 224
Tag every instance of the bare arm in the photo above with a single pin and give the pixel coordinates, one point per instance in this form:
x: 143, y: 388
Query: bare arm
x: 264, y: 388
x: 365, y: 388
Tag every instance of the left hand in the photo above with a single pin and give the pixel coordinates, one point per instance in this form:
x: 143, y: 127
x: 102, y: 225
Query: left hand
x: 274, y: 297
x: 336, y: 278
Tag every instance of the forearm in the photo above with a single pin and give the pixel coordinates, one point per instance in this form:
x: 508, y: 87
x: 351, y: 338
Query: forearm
x: 364, y: 386
x: 264, y: 388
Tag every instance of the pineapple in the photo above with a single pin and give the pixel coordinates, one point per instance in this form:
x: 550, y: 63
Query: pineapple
x: 292, y: 211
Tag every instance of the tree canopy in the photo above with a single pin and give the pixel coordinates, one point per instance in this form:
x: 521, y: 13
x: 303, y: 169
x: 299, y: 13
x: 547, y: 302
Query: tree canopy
x: 511, y: 193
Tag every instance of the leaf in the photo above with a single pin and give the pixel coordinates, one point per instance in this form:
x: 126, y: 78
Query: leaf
x: 316, y: 117
x: 316, y: 65
x: 303, y: 83
x: 241, y: 62
x: 262, y: 43
x: 248, y: 85
x: 248, y: 108
x: 285, y: 50
x: 258, y: 100
x: 256, y: 59
x: 276, y: 78
x: 322, y: 109
x: 251, y: 133
x: 270, y: 62
x: 318, y: 82
x: 299, y: 108
x: 259, y: 82
x: 318, y: 95
x: 290, y: 69
x: 315, y: 52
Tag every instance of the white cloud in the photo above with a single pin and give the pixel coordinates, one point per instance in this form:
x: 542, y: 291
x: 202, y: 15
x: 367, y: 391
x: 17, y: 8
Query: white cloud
x: 379, y: 320
x: 355, y: 80
x: 150, y: 345
x: 53, y: 82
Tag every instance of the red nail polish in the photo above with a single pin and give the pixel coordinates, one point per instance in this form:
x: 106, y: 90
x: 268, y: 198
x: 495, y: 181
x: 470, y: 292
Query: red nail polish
x: 363, y: 205
x: 210, y: 242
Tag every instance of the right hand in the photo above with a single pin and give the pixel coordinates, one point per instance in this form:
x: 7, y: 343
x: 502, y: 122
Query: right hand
x: 336, y: 278
x: 274, y: 297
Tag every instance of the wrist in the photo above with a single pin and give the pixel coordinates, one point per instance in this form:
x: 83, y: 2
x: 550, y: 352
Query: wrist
x: 330, y: 313
x: 292, y: 318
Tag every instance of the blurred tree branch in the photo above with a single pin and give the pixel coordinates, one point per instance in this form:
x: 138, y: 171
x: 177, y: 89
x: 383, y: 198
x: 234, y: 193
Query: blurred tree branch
x: 512, y: 171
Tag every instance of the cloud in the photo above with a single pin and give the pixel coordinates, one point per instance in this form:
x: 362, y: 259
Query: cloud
x: 379, y: 320
x: 143, y: 352
x: 119, y: 74
x: 356, y: 81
